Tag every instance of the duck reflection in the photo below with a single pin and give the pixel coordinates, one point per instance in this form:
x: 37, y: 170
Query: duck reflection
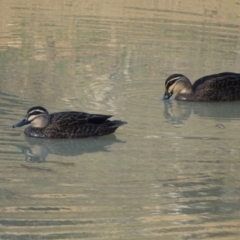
x: 177, y: 112
x: 39, y: 148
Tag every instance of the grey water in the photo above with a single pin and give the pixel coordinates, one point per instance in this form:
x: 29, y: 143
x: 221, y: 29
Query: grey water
x: 171, y: 173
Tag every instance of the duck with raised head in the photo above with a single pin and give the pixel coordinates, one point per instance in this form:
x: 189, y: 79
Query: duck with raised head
x: 66, y: 124
x: 223, y: 86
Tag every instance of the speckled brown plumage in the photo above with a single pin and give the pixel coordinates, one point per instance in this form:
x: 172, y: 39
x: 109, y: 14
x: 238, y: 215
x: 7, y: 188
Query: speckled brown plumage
x: 70, y: 124
x: 217, y: 87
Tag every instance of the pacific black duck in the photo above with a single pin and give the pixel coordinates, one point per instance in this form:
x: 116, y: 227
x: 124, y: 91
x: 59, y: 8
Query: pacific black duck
x: 66, y: 124
x: 217, y: 87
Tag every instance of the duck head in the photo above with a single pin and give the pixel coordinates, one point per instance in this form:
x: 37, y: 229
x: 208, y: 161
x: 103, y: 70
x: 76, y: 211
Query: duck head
x: 177, y: 83
x: 38, y: 117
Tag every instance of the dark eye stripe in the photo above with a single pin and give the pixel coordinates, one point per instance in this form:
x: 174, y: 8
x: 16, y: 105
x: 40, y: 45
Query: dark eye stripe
x: 170, y: 82
x: 38, y: 108
x: 35, y: 112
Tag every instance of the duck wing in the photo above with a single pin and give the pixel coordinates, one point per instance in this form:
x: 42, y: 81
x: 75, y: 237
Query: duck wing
x: 71, y: 119
x: 230, y: 78
x: 219, y: 87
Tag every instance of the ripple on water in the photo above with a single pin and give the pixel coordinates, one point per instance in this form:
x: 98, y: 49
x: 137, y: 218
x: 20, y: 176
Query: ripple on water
x: 174, y: 176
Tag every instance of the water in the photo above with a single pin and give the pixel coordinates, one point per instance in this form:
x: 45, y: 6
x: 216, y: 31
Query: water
x: 171, y: 172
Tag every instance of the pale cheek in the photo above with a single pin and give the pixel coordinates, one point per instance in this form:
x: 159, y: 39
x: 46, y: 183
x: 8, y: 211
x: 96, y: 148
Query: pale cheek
x: 34, y: 123
x: 30, y: 118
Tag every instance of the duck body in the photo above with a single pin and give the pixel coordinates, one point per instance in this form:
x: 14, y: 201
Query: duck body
x: 217, y: 87
x: 67, y: 124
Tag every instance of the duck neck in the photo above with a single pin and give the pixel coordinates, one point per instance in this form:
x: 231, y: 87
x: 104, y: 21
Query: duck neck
x: 41, y: 121
x: 187, y: 96
x: 182, y: 87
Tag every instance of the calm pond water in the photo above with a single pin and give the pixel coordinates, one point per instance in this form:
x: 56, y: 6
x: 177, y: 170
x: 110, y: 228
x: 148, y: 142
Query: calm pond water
x: 171, y: 173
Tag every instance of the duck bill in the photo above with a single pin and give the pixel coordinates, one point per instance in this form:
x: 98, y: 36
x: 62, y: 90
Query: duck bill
x: 167, y: 95
x: 21, y: 123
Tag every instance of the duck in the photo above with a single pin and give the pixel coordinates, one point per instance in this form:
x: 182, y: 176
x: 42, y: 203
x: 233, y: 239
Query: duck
x: 69, y: 124
x: 223, y: 86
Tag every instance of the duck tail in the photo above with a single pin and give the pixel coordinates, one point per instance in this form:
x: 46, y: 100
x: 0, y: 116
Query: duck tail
x: 118, y: 123
x: 113, y: 125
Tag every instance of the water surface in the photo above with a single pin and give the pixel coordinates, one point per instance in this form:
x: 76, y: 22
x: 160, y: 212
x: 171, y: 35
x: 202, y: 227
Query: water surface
x: 171, y: 172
